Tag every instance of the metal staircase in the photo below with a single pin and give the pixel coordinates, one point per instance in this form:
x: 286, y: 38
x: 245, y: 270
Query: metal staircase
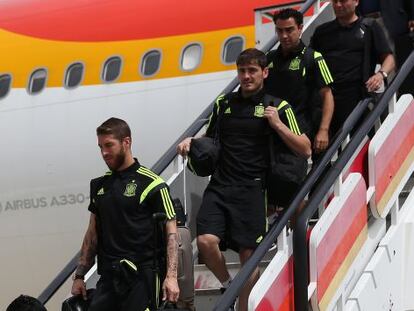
x: 189, y: 188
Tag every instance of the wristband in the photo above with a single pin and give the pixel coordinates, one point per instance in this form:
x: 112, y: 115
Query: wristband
x: 384, y: 74
x: 78, y: 277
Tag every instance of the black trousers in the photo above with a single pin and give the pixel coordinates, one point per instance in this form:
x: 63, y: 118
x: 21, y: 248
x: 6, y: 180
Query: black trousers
x: 137, y: 298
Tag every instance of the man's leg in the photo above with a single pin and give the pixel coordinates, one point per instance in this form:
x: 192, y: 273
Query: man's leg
x: 208, y: 245
x: 245, y: 254
x: 104, y: 298
x: 140, y: 296
x: 248, y: 227
x: 211, y: 228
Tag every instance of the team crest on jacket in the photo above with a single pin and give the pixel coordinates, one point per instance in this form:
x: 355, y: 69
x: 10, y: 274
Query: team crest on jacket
x: 259, y: 111
x: 130, y: 189
x: 294, y: 64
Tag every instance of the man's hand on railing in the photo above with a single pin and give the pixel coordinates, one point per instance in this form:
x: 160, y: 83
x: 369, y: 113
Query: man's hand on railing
x: 183, y: 148
x: 321, y: 141
x: 374, y: 82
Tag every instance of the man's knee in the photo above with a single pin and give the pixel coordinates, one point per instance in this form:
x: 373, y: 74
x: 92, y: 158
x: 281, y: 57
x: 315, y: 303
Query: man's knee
x: 207, y: 242
x: 244, y: 254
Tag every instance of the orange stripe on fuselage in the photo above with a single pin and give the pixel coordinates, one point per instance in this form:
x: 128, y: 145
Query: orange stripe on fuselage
x: 118, y: 20
x: 21, y: 55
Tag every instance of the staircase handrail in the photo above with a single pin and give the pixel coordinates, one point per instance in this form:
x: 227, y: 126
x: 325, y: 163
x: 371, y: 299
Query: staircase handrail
x: 300, y: 247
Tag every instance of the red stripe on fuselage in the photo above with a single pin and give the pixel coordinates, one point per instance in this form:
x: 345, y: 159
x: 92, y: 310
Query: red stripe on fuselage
x: 115, y: 20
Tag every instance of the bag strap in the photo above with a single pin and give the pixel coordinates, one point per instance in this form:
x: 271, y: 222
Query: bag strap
x: 308, y: 63
x: 269, y: 100
x: 366, y: 24
x: 368, y: 62
x: 220, y: 112
x: 223, y: 104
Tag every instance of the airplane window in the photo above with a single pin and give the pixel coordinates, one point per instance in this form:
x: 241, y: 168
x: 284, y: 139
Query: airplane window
x: 150, y: 63
x: 112, y: 69
x: 5, y: 81
x: 74, y: 75
x: 232, y: 49
x: 191, y: 57
x: 37, y: 81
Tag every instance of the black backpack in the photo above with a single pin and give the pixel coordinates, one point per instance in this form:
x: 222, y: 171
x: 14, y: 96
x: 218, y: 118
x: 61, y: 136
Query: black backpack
x: 284, y: 164
x: 369, y: 61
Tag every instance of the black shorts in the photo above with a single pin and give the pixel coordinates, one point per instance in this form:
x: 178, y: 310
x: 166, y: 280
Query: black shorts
x: 282, y: 193
x: 235, y: 214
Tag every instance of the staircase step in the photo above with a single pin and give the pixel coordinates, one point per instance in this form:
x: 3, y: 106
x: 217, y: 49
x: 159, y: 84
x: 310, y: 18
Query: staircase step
x: 206, y: 283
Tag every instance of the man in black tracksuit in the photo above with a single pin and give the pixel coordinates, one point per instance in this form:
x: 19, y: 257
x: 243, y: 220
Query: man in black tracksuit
x: 351, y: 49
x: 398, y: 18
x: 120, y: 230
x: 300, y: 75
x: 233, y: 210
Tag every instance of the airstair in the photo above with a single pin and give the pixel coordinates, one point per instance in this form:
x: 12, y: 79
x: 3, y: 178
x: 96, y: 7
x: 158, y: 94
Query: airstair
x: 364, y: 238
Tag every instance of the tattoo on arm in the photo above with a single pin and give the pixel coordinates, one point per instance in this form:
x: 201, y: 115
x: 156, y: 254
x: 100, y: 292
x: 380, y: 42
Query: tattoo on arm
x: 89, y: 249
x: 172, y: 255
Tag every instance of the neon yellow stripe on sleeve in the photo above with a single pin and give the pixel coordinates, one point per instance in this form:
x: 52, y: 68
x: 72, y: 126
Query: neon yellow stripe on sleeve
x: 325, y: 72
x: 149, y: 188
x: 168, y: 206
x: 282, y: 104
x: 149, y: 172
x: 292, y: 121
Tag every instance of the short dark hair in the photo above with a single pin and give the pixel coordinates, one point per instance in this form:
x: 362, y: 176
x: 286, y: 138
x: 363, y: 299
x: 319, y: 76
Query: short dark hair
x: 288, y: 13
x: 114, y: 126
x: 26, y: 303
x: 252, y: 56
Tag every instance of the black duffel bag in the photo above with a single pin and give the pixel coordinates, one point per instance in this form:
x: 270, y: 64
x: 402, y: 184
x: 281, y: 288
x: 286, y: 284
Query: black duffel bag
x: 77, y: 303
x: 203, y: 156
x: 166, y: 305
x: 286, y: 168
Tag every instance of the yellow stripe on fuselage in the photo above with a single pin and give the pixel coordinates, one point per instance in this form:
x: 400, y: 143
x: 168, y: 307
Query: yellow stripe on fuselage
x: 22, y: 54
